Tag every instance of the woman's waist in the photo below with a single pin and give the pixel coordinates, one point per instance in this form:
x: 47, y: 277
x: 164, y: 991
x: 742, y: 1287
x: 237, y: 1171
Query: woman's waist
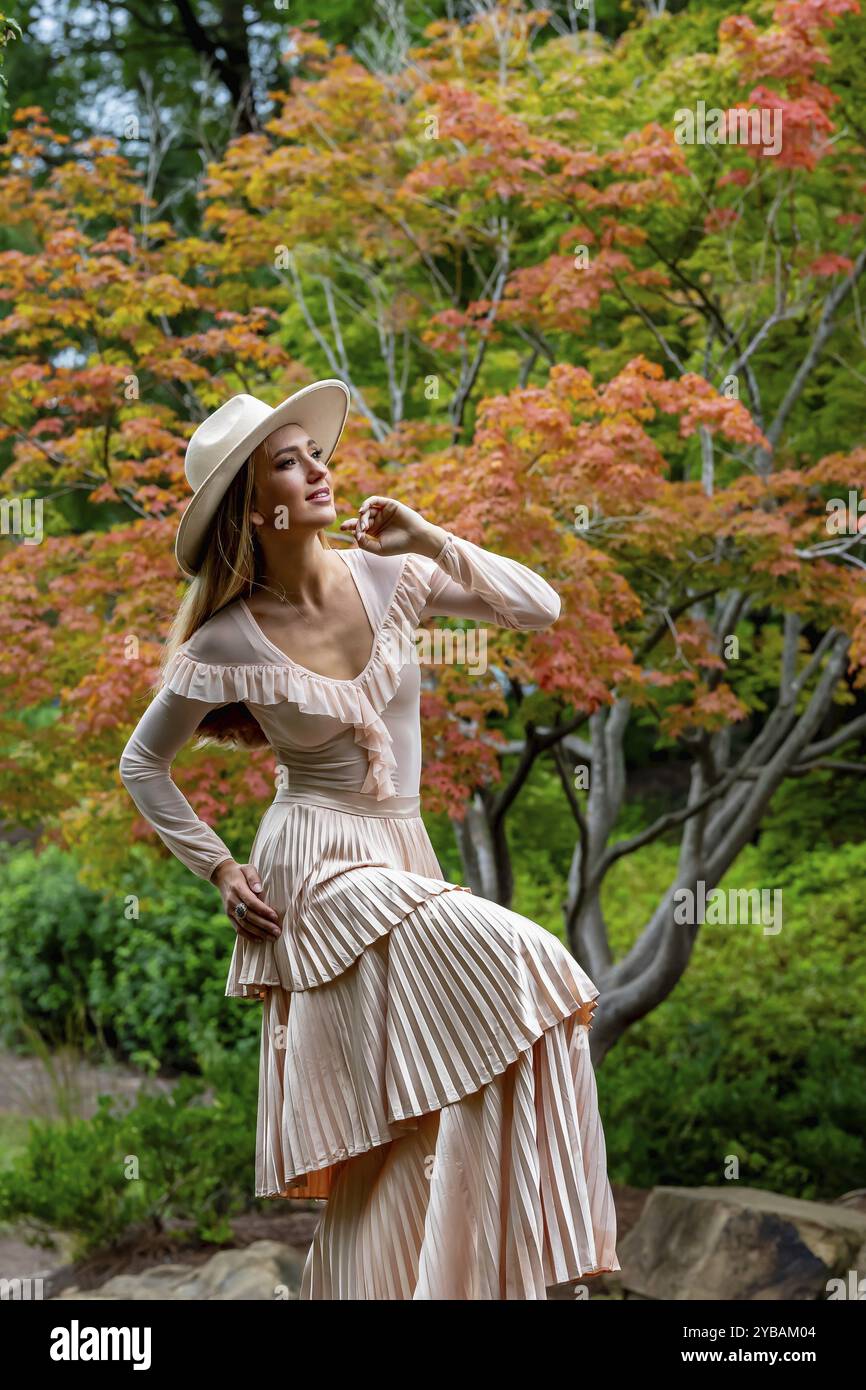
x: 333, y: 776
x: 307, y: 791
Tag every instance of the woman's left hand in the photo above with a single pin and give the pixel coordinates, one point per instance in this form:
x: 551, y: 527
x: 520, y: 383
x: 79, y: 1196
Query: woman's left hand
x: 387, y: 527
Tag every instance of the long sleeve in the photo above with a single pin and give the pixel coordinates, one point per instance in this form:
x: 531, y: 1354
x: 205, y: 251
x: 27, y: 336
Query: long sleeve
x: 166, y: 725
x: 469, y: 582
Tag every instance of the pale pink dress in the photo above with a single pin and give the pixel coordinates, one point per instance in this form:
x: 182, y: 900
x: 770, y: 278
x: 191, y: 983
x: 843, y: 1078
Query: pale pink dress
x: 424, y: 1053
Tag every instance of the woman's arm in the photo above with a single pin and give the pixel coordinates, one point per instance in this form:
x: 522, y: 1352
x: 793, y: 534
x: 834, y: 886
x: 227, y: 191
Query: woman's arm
x: 469, y: 582
x: 166, y: 725
x: 463, y: 580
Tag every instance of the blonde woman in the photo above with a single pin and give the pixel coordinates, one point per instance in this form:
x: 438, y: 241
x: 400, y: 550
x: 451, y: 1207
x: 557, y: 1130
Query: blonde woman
x: 424, y: 1059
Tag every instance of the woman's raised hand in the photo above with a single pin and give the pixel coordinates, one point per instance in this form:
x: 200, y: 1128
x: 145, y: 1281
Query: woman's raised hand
x: 387, y: 527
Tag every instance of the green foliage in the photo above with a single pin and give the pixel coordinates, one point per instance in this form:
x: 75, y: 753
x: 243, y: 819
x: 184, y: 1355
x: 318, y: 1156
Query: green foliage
x: 442, y: 839
x: 53, y: 933
x: 164, y: 1160
x: 759, y: 1051
x: 10, y: 29
x: 73, y: 967
x: 821, y: 811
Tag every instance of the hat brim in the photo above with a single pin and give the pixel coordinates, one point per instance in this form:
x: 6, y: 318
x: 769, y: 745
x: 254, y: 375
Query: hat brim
x: 321, y: 409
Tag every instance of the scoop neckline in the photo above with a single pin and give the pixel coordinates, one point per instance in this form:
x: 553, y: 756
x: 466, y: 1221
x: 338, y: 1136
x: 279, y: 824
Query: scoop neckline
x: 376, y: 629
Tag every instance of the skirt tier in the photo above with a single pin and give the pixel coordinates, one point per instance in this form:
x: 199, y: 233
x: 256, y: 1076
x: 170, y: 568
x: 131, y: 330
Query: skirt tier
x: 424, y: 1066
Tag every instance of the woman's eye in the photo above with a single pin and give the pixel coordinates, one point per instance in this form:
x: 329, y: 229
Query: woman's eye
x: 314, y: 453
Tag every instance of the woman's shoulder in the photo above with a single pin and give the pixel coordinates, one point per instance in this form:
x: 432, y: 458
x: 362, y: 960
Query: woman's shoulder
x: 223, y: 639
x: 383, y: 572
x: 223, y: 662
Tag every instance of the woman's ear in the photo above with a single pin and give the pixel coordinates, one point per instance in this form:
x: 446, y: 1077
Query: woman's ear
x: 257, y: 519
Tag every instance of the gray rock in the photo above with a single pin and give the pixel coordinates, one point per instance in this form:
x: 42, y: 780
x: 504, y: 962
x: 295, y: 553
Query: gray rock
x: 740, y: 1243
x: 265, y: 1270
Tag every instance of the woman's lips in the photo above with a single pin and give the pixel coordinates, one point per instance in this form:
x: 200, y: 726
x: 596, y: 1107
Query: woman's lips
x: 320, y: 497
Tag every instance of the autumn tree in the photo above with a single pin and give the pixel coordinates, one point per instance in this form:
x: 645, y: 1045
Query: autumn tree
x: 505, y: 221
x: 114, y: 347
x: 627, y: 360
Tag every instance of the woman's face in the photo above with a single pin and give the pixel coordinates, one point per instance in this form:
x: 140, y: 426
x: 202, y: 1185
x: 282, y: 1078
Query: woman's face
x: 292, y: 485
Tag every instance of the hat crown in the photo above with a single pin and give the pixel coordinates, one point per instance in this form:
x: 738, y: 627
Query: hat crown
x: 220, y: 433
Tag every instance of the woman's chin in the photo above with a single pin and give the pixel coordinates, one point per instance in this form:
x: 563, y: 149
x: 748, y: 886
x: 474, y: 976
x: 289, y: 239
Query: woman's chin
x: 320, y: 514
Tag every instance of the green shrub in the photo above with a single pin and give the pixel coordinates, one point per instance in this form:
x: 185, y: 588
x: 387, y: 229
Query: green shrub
x: 759, y: 1051
x: 53, y: 931
x: 821, y: 811
x: 74, y: 966
x: 163, y: 1160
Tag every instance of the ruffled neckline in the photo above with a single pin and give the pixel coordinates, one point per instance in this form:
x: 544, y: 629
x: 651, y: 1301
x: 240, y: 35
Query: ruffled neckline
x: 261, y: 636
x: 358, y: 702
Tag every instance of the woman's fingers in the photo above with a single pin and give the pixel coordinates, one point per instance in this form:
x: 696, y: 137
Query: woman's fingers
x: 252, y: 924
x: 375, y: 516
x: 371, y: 509
x: 356, y: 524
x: 254, y: 879
x: 260, y: 921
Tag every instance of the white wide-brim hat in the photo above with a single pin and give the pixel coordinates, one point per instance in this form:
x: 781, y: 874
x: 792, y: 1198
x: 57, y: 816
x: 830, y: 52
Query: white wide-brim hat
x: 224, y: 440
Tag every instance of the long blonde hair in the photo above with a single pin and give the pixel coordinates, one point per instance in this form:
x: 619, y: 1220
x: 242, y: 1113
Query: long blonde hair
x: 232, y: 567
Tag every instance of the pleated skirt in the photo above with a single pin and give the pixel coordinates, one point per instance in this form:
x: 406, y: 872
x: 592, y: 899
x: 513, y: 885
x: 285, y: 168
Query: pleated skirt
x: 424, y: 1067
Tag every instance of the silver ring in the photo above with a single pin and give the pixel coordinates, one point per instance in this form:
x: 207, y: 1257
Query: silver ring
x: 241, y: 910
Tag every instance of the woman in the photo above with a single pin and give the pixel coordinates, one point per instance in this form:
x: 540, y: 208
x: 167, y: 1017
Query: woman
x: 424, y: 1058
